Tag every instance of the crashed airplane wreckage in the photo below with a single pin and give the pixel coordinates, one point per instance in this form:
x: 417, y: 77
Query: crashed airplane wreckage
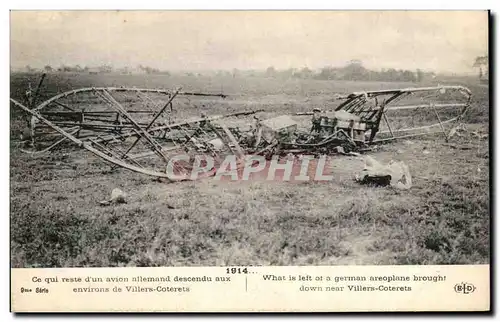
x: 135, y: 128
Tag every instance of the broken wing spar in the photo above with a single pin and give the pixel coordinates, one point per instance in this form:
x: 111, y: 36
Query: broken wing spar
x: 120, y: 89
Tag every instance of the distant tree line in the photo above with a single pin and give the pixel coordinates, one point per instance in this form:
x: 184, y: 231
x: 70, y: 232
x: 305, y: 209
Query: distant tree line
x: 354, y: 71
x: 102, y: 69
x: 152, y: 70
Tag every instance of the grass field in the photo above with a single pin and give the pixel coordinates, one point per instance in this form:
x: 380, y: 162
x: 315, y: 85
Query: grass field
x: 57, y: 221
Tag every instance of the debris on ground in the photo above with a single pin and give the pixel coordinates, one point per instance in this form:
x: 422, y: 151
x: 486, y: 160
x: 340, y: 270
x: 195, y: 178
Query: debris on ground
x: 458, y: 130
x: 395, y: 173
x: 461, y: 147
x: 117, y: 196
x: 339, y: 149
x: 481, y: 136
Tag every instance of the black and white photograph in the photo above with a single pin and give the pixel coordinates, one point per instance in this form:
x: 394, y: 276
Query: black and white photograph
x: 249, y: 138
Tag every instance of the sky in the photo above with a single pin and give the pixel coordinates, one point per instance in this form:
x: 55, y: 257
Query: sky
x: 442, y: 41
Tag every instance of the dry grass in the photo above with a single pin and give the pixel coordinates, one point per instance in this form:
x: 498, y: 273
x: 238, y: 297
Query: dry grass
x: 56, y: 219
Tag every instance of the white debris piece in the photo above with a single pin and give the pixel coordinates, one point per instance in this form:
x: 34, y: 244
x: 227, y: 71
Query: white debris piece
x: 395, y: 173
x: 196, y: 143
x: 339, y: 149
x: 216, y: 144
x: 400, y: 175
x: 117, y: 196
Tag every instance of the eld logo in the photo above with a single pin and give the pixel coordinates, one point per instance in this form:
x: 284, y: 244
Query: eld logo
x: 464, y: 288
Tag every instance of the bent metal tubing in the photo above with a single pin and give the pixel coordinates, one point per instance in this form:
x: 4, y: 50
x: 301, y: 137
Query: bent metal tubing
x: 90, y: 148
x: 117, y: 161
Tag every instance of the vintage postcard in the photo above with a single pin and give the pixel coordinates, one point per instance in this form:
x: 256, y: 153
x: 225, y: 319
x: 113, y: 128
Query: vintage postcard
x: 249, y: 161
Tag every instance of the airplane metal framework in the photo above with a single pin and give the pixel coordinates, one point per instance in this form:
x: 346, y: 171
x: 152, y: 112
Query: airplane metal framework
x: 135, y: 128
